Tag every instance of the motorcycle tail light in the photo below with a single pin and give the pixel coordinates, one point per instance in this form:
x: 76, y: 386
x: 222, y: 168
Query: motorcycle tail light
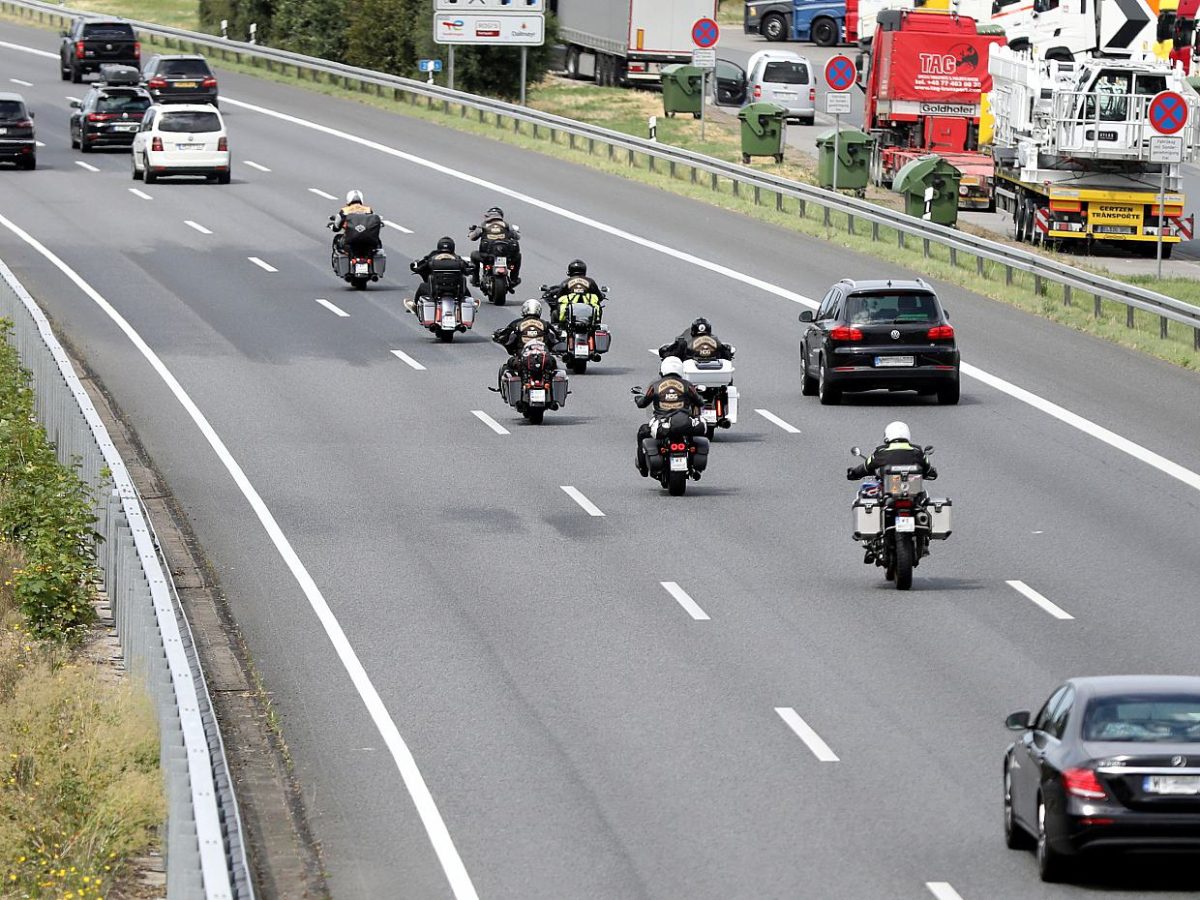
x: 845, y: 333
x: 1083, y: 783
x: 678, y: 447
x: 941, y: 333
x: 156, y: 144
x: 903, y: 504
x: 79, y: 49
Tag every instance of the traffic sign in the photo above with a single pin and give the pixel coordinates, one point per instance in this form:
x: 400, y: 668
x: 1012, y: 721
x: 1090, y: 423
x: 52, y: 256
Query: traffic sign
x: 837, y: 103
x: 1168, y: 112
x: 705, y: 33
x: 1165, y: 149
x: 840, y: 73
x: 483, y: 6
x: 493, y: 28
x: 429, y: 65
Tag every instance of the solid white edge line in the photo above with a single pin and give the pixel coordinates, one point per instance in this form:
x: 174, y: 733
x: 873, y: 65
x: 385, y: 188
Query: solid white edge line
x: 390, y: 224
x: 196, y: 225
x: 431, y: 818
x: 942, y: 890
x: 88, y: 166
x: 577, y: 495
x: 32, y: 50
x: 140, y: 193
x: 265, y: 266
x: 252, y: 164
x: 804, y: 731
x: 1049, y: 606
x: 683, y: 599
x: 321, y: 193
x: 405, y: 358
x: 489, y: 421
x: 336, y: 310
x: 21, y: 83
x: 1192, y: 479
x: 771, y: 417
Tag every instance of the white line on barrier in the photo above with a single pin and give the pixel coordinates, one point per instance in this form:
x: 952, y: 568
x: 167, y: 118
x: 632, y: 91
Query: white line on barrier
x: 1053, y: 608
x: 489, y: 421
x: 336, y: 310
x: 577, y: 495
x: 252, y: 164
x: 804, y: 731
x: 771, y: 417
x: 88, y: 166
x: 197, y: 226
x: 265, y: 266
x: 408, y: 360
x: 683, y: 599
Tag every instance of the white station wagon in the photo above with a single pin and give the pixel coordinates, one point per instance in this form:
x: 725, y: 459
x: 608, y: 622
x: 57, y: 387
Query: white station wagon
x: 181, y: 140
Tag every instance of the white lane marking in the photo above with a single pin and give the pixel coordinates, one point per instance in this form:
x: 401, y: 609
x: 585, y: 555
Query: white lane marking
x: 252, y: 164
x: 682, y: 598
x: 588, y: 506
x: 88, y: 166
x: 431, y: 818
x: 74, y: 99
x: 46, y: 53
x: 142, y: 194
x: 804, y: 731
x: 942, y: 890
x: 405, y: 358
x: 336, y: 310
x: 1053, y: 608
x: 321, y: 193
x: 489, y: 421
x: 771, y: 417
x: 390, y: 224
x: 1192, y: 479
x: 196, y: 225
x: 21, y: 83
x: 652, y: 350
x: 266, y: 267
x: 39, y: 143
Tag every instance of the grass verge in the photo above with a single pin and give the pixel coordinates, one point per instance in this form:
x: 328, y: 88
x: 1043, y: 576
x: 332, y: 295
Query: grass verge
x: 175, y: 13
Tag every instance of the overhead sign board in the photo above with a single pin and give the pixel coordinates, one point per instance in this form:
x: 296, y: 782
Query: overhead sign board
x: 496, y: 29
x: 704, y: 59
x: 705, y: 33
x: 1166, y: 149
x: 837, y: 103
x: 1168, y: 112
x: 512, y: 6
x: 840, y: 73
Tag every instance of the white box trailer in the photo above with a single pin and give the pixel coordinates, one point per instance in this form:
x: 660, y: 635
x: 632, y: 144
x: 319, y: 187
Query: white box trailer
x: 622, y: 42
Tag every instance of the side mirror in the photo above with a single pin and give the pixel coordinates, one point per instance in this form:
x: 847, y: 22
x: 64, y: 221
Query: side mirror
x: 331, y: 218
x: 544, y: 288
x: 928, y: 449
x: 75, y: 104
x: 807, y: 316
x: 854, y: 451
x: 636, y: 390
x: 32, y: 114
x: 604, y: 288
x: 1018, y: 721
x: 946, y: 313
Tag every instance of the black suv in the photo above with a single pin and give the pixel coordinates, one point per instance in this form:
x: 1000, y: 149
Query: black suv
x: 183, y: 79
x: 879, y: 335
x: 17, y: 141
x: 91, y: 43
x: 108, y: 116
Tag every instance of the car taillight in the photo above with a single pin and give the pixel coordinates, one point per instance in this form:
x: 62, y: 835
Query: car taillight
x: 24, y: 123
x: 223, y: 143
x: 812, y: 95
x: 79, y: 49
x: 941, y: 333
x: 845, y: 333
x: 100, y: 117
x: 158, y: 83
x: 209, y: 82
x: 137, y: 49
x: 1083, y: 783
x: 156, y: 144
x: 757, y: 91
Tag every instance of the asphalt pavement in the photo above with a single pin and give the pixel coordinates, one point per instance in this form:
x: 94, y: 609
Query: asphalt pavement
x: 581, y: 731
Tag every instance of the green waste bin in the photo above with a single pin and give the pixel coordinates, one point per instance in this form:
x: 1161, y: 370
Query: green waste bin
x: 682, y: 89
x: 930, y: 188
x: 850, y: 158
x: 762, y: 130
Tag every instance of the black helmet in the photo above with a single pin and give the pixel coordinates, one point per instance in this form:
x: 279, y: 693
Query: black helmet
x: 445, y: 245
x: 576, y: 267
x: 494, y: 213
x: 701, y: 326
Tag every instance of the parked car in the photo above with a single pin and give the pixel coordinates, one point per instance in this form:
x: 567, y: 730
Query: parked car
x: 879, y: 335
x: 181, y: 140
x: 786, y: 78
x: 180, y: 79
x: 90, y: 43
x: 110, y: 114
x: 17, y: 140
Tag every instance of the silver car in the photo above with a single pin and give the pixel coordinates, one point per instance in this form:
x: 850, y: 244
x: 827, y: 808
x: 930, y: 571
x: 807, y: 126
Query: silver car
x: 786, y: 78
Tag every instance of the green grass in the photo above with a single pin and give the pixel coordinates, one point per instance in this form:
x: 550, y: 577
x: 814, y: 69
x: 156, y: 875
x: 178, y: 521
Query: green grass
x: 730, y: 12
x: 175, y: 13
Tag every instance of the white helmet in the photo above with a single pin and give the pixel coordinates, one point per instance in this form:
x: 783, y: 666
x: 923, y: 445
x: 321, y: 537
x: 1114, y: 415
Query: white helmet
x: 672, y: 365
x: 354, y: 196
x: 896, y: 431
x: 531, y: 307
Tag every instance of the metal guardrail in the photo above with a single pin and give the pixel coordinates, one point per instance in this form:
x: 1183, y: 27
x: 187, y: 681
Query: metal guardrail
x: 205, y: 847
x: 837, y: 209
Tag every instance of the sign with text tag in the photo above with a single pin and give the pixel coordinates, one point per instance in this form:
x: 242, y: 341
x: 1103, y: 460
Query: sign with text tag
x: 837, y: 104
x: 1166, y: 149
x: 704, y: 59
x: 485, y: 6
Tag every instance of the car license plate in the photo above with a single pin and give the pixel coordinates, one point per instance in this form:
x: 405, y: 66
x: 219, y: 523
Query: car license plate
x: 3, y: 131
x: 362, y: 269
x: 185, y: 84
x: 679, y: 464
x: 189, y: 146
x: 125, y: 128
x: 888, y: 362
x: 906, y: 523
x: 1184, y: 785
x: 538, y: 395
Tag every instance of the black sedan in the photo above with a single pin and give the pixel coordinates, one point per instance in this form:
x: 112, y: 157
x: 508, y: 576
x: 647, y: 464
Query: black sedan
x: 107, y: 117
x: 879, y: 335
x: 1108, y: 764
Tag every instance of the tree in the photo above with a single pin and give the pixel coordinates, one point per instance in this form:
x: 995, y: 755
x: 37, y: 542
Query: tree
x: 311, y: 27
x: 383, y: 35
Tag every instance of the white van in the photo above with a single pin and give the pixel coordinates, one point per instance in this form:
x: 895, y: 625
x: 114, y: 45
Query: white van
x: 786, y: 78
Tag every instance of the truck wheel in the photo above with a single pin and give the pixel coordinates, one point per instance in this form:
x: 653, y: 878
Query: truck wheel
x: 773, y: 27
x: 572, y: 63
x: 824, y: 32
x: 1166, y: 251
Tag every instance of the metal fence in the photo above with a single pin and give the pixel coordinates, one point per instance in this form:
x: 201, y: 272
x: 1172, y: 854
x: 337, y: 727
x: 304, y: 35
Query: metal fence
x: 836, y: 210
x: 204, y: 845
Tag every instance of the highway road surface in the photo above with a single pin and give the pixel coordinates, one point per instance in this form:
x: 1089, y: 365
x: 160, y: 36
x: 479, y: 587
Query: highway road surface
x: 508, y: 667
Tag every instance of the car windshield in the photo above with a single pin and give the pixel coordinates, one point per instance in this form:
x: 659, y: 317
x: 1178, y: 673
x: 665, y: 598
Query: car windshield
x: 197, y: 68
x: 1143, y: 718
x: 191, y: 122
x: 891, y: 309
x: 785, y: 73
x: 127, y: 102
x: 108, y: 29
x: 11, y: 109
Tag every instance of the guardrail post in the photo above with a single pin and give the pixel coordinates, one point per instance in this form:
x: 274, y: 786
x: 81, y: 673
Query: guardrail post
x: 714, y: 181
x: 900, y: 239
x: 850, y: 223
x: 650, y: 161
x: 925, y: 247
x: 954, y: 257
x: 979, y: 266
x: 779, y: 201
x: 1129, y: 317
x: 1066, y: 295
x: 1008, y: 275
x: 1196, y: 338
x: 737, y: 187
x: 571, y: 139
x: 825, y: 216
x: 1097, y: 307
x: 1037, y: 284
x: 629, y: 160
x: 757, y: 196
x: 875, y: 232
x: 1162, y: 327
x: 695, y: 174
x: 592, y: 148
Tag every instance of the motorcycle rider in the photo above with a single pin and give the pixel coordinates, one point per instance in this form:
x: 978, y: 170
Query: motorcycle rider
x: 494, y: 228
x: 670, y: 393
x: 577, y: 287
x: 355, y: 206
x: 529, y: 328
x: 444, y: 265
x: 698, y: 342
x: 897, y: 449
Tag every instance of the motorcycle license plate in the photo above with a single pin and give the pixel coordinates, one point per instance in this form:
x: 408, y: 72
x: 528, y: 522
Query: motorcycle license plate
x: 1179, y: 785
x: 501, y: 262
x: 361, y: 269
x: 448, y: 322
x: 679, y: 464
x: 538, y: 395
x: 709, y: 415
x: 581, y: 350
x: 887, y: 362
x: 906, y: 523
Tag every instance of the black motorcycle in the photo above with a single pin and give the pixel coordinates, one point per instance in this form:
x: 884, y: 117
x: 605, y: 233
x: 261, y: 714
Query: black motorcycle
x: 586, y: 337
x: 495, y: 277
x: 674, y: 452
x: 357, y: 256
x: 535, y: 384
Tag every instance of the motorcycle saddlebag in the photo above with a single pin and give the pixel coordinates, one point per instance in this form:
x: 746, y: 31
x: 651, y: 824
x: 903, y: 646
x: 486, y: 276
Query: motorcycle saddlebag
x: 868, y: 518
x: 512, y: 388
x: 468, y: 312
x: 558, y: 388
x: 603, y: 340
x: 428, y: 311
x: 341, y: 265
x: 700, y: 457
x: 939, y: 517
x: 654, y: 459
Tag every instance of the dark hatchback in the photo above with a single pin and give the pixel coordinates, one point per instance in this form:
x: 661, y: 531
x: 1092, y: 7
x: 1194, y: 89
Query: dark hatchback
x: 879, y: 335
x: 108, y: 117
x: 18, y: 142
x: 1108, y: 764
x: 180, y: 79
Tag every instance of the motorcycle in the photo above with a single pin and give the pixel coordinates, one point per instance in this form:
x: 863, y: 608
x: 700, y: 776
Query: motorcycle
x: 445, y: 312
x: 586, y: 337
x: 357, y: 262
x: 673, y: 452
x: 713, y: 380
x: 537, y: 384
x: 495, y: 276
x: 895, y: 520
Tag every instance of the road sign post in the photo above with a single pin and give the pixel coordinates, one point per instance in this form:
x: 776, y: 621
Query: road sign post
x: 1167, y: 113
x: 705, y: 34
x: 490, y: 23
x: 840, y: 75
